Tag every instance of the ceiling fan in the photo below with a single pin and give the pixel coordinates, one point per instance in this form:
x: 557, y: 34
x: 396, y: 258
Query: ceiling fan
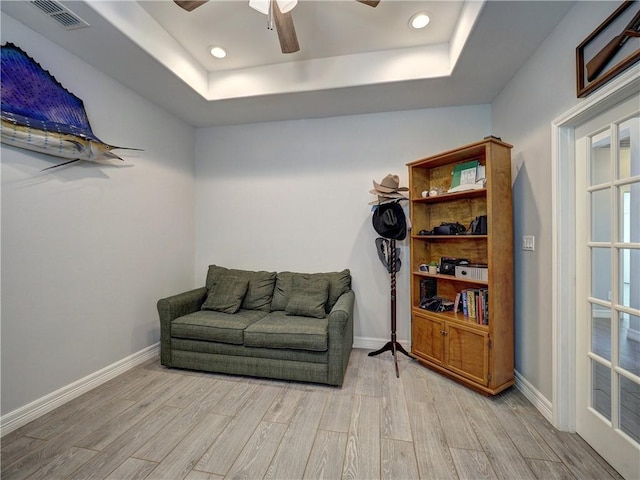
x: 278, y: 12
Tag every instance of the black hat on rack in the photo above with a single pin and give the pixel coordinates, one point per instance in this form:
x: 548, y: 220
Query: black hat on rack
x: 389, y: 221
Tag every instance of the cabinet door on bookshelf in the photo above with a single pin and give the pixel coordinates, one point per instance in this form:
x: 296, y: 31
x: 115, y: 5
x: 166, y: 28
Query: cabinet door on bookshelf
x: 467, y: 352
x: 427, y: 338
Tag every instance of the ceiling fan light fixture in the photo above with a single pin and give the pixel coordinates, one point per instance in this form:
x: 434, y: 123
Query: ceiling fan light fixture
x: 263, y: 5
x: 217, y: 51
x: 419, y: 20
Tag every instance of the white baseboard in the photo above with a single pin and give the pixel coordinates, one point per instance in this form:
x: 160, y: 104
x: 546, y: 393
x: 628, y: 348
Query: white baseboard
x: 23, y: 415
x: 544, y: 406
x: 369, y: 343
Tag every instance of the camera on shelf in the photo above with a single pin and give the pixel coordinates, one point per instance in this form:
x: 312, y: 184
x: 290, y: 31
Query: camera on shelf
x: 479, y: 225
x: 448, y: 265
x: 449, y: 229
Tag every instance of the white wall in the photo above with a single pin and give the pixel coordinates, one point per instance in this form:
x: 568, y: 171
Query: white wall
x: 87, y: 250
x: 294, y: 196
x: 543, y: 89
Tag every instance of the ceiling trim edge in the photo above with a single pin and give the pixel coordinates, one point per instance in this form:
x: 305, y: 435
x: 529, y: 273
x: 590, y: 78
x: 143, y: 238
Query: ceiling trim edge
x: 371, y: 68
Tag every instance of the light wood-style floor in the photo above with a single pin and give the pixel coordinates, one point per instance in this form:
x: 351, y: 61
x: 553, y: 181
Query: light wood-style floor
x: 156, y: 423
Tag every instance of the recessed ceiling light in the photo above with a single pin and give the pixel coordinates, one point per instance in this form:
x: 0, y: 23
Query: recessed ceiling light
x: 218, y: 52
x: 419, y: 20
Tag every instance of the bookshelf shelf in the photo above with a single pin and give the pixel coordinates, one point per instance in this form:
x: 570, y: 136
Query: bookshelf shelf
x: 449, y: 278
x: 447, y: 238
x: 460, y: 346
x: 447, y: 197
x: 452, y: 317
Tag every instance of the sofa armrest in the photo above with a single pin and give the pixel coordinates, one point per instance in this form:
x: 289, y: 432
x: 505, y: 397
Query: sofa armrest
x: 340, y: 337
x: 181, y: 304
x: 342, y: 311
x: 174, y: 307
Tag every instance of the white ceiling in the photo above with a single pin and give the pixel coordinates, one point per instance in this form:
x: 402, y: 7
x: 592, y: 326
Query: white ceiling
x: 324, y: 29
x: 353, y: 58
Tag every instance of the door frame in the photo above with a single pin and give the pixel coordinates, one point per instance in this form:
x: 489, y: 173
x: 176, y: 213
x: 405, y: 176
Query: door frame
x: 563, y: 301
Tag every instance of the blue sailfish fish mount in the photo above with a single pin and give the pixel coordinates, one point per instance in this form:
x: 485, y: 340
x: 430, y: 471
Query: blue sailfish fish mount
x: 40, y: 115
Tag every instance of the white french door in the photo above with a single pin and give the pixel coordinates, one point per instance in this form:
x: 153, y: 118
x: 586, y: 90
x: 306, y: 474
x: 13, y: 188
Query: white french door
x: 608, y: 285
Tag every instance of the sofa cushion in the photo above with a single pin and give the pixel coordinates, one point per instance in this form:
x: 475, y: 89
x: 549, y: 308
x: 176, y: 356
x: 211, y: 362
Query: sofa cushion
x: 236, y: 351
x: 278, y: 330
x: 215, y: 326
x: 227, y: 295
x: 260, y: 290
x: 339, y: 283
x: 308, y: 297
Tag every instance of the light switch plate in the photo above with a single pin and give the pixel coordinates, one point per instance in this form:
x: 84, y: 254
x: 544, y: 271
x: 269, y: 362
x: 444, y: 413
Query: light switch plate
x: 528, y: 242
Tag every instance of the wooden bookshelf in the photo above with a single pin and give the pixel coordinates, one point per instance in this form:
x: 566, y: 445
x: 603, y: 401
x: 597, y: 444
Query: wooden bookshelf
x: 479, y: 356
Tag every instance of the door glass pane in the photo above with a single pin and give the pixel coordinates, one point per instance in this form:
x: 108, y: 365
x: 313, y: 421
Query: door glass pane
x: 601, y: 215
x: 624, y: 213
x: 601, y: 389
x: 630, y: 408
x: 629, y: 281
x: 629, y: 148
x: 629, y: 346
x: 601, y: 331
x: 601, y: 273
x: 600, y: 158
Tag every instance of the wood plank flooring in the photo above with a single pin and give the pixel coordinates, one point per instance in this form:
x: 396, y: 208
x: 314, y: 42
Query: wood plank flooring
x: 156, y: 423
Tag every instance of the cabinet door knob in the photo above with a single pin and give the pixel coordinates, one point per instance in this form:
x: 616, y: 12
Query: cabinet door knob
x: 442, y: 332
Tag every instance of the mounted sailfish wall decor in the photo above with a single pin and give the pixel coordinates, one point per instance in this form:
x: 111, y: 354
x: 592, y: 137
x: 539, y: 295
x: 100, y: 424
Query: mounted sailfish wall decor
x: 40, y: 115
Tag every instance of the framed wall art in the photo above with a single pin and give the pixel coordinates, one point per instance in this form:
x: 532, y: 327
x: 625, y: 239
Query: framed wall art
x: 612, y: 48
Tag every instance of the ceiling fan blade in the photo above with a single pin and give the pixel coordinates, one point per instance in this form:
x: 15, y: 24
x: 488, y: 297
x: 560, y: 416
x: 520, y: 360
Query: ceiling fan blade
x: 286, y: 30
x: 371, y: 3
x: 190, y: 5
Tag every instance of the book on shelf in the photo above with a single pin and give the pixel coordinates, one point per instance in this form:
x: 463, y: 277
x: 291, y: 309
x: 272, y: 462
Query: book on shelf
x: 472, y: 303
x: 464, y: 173
x: 465, y: 303
x: 457, y: 306
x: 486, y: 306
x: 482, y: 306
x: 466, y: 187
x: 468, y: 176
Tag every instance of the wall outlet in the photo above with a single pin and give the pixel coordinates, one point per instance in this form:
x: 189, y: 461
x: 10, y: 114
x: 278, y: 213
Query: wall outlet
x: 528, y: 242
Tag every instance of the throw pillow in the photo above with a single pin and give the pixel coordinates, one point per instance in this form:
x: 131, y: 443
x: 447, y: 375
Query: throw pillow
x: 226, y: 296
x: 308, y: 297
x: 259, y: 292
x: 339, y: 283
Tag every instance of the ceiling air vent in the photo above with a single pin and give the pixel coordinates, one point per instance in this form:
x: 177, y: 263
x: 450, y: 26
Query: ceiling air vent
x: 61, y: 14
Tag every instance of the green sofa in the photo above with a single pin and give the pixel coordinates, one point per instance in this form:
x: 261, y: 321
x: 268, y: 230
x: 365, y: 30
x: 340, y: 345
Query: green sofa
x: 286, y: 325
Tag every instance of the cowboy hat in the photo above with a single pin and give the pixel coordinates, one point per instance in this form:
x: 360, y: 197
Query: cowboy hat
x: 387, y: 197
x: 389, y: 221
x: 389, y: 184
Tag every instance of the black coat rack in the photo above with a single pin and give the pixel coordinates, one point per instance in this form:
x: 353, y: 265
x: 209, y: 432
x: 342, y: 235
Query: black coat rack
x: 393, y: 346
